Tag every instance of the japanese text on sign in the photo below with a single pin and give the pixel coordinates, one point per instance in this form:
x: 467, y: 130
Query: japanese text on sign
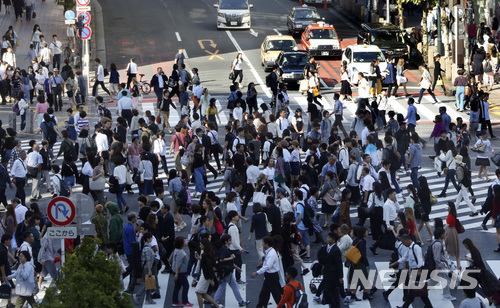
x: 61, y: 232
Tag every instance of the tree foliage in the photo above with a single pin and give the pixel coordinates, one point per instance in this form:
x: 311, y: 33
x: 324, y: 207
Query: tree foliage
x: 88, y: 280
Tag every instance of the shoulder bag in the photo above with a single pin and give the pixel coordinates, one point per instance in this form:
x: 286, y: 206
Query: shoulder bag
x: 259, y: 197
x: 269, y: 227
x: 353, y: 254
x: 98, y: 184
x: 458, y: 226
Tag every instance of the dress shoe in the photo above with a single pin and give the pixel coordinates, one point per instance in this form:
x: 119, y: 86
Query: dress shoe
x: 386, y: 296
x: 374, y: 250
x: 373, y: 290
x: 442, y: 195
x: 156, y: 295
x: 367, y: 296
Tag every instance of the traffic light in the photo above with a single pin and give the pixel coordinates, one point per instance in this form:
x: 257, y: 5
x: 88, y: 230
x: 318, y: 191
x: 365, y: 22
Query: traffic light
x: 79, y: 25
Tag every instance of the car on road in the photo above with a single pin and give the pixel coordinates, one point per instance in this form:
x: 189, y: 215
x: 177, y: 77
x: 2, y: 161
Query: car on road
x: 321, y: 39
x: 300, y: 17
x: 272, y: 46
x: 389, y: 38
x: 359, y: 58
x: 233, y: 14
x: 291, y: 66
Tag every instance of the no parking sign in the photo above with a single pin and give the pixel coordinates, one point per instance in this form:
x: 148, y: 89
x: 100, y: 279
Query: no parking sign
x: 61, y: 211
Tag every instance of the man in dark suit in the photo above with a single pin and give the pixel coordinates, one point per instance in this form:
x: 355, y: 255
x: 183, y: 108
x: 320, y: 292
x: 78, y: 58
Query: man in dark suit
x: 333, y: 274
x: 167, y: 235
x: 159, y: 83
x: 273, y: 215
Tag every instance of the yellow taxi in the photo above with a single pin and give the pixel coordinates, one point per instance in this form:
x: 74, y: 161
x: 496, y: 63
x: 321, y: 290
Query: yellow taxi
x: 321, y: 39
x: 272, y: 46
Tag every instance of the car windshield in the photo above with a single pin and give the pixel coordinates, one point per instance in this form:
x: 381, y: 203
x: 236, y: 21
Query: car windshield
x: 280, y: 45
x: 367, y: 56
x: 383, y: 37
x: 306, y: 14
x: 233, y: 5
x: 322, y: 34
x: 299, y: 60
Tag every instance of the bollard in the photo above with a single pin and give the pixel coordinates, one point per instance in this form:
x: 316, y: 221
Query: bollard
x: 29, y: 121
x: 13, y: 121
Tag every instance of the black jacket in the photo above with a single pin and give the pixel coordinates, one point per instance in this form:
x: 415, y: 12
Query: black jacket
x: 154, y: 81
x: 274, y: 216
x: 332, y: 263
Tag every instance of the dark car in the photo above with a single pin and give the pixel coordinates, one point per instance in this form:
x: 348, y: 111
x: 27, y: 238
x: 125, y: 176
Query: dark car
x: 389, y: 38
x: 291, y: 66
x: 300, y: 17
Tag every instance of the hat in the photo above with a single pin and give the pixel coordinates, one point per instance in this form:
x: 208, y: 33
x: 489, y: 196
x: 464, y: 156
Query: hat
x: 139, y: 222
x: 458, y: 159
x: 15, y: 200
x: 2, y: 208
x: 132, y: 215
x: 280, y: 190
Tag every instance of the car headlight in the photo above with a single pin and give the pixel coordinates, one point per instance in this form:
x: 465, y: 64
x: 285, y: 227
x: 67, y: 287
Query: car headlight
x: 246, y: 15
x: 222, y: 15
x: 298, y: 25
x: 313, y: 47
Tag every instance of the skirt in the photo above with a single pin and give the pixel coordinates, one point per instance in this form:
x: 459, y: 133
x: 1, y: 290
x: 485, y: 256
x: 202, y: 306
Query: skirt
x: 452, y: 242
x: 295, y: 166
x: 327, y: 208
x: 345, y: 88
x: 203, y: 284
x: 482, y: 162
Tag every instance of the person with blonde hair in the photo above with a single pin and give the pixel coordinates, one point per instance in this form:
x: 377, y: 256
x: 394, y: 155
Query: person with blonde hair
x: 411, y: 225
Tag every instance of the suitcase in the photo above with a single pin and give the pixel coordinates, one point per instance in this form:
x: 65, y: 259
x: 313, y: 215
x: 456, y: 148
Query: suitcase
x: 496, y: 159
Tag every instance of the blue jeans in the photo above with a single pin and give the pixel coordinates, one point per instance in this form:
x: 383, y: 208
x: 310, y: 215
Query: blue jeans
x: 450, y: 176
x: 119, y: 196
x: 460, y: 97
x: 221, y: 290
x: 198, y: 179
x: 395, y: 182
x: 23, y: 120
x: 414, y: 177
x: 69, y: 180
x: 422, y: 94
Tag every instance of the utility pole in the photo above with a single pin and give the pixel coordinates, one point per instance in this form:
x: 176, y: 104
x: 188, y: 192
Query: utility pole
x: 388, y: 11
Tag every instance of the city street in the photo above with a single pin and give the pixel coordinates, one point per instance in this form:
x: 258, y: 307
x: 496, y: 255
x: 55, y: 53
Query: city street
x: 153, y: 31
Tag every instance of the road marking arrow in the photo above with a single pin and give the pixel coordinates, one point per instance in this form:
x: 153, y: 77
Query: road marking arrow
x: 252, y: 32
x: 202, y: 46
x: 213, y: 55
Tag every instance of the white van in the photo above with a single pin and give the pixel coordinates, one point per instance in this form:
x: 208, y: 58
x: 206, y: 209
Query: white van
x: 233, y: 14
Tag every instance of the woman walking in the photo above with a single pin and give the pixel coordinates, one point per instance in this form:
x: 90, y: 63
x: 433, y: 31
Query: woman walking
x: 147, y: 260
x: 251, y: 98
x: 330, y: 193
x: 452, y: 241
x: 437, y: 73
x: 237, y: 67
x: 207, y: 275
x: 426, y: 84
x: 424, y: 195
x: 483, y: 157
x: 25, y: 280
x: 199, y: 169
x: 450, y: 166
x: 460, y: 82
x: 400, y: 77
x: 359, y: 242
x: 345, y: 84
x: 180, y: 267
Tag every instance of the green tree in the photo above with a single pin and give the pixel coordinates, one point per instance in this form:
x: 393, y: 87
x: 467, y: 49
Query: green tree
x: 88, y: 280
x: 424, y: 4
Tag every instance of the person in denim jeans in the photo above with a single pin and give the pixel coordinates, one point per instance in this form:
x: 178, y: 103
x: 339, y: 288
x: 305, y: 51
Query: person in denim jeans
x: 120, y: 173
x: 180, y: 267
x: 414, y: 159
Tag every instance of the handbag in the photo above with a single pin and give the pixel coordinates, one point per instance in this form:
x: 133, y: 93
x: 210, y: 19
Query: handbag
x: 33, y: 15
x: 419, y: 208
x: 459, y: 227
x: 129, y: 178
x: 402, y: 79
x: 98, y: 184
x: 150, y: 282
x: 303, y: 85
x: 269, y: 227
x: 433, y: 199
x: 231, y: 75
x: 5, y: 291
x: 279, y: 178
x: 259, y: 197
x: 480, y: 149
x: 386, y: 240
x: 315, y: 91
x: 468, y: 90
x: 353, y: 254
x: 32, y: 172
x: 439, y: 82
x: 495, y: 159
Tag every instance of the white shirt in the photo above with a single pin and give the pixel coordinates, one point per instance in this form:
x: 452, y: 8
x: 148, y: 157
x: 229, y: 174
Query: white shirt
x: 364, y: 133
x: 198, y: 91
x: 344, y: 157
x: 287, y: 157
x: 25, y: 246
x: 410, y: 257
x: 391, y: 209
x: 100, y: 73
x: 45, y: 55
x: 87, y: 169
x: 159, y: 147
x: 20, y: 211
x: 285, y: 206
x: 375, y: 201
x: 237, y: 64
x: 388, y: 172
x: 132, y: 67
x: 283, y: 124
x: 271, y: 262
x: 55, y: 46
x: 238, y: 113
x: 9, y: 57
x: 101, y: 141
x: 368, y: 181
x: 364, y: 88
x: 232, y: 230
x: 274, y: 129
x: 120, y: 172
x: 237, y: 140
x: 269, y: 172
x: 34, y: 159
x: 18, y: 169
x: 125, y: 103
x: 253, y: 173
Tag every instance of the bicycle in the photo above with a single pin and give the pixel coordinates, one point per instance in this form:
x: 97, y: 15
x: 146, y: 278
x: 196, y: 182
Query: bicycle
x: 144, y: 85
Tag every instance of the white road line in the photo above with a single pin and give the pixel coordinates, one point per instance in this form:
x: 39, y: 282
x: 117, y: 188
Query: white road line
x: 252, y: 69
x: 277, y: 32
x: 252, y: 32
x: 185, y: 54
x: 178, y: 36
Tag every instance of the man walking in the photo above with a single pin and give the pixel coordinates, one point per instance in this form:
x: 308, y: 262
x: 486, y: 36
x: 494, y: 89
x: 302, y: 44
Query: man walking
x: 18, y: 173
x: 271, y: 270
x: 4, y: 180
x: 415, y: 159
x: 128, y: 239
x: 34, y: 163
x: 158, y: 82
x: 99, y: 78
x: 333, y: 272
x: 55, y: 47
x: 125, y: 106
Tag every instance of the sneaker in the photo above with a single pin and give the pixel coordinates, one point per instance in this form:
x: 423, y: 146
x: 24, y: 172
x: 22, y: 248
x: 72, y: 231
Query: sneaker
x: 188, y: 304
x: 317, y: 299
x: 474, y: 214
x: 150, y: 302
x: 449, y: 298
x: 305, y: 271
x: 307, y: 260
x: 243, y: 303
x: 483, y: 227
x: 156, y: 295
x: 347, y: 300
x: 240, y: 281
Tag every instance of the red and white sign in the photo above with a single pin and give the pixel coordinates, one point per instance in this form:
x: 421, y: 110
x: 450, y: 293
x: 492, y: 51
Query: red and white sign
x: 61, y: 211
x: 82, y: 2
x: 86, y: 17
x: 83, y: 8
x: 86, y: 33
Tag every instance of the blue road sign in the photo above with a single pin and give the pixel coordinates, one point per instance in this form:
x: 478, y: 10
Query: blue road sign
x: 69, y: 15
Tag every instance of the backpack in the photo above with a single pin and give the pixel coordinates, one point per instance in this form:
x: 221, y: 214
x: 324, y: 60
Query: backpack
x: 488, y: 68
x: 233, y: 176
x: 393, y: 158
x: 429, y: 262
x: 308, y: 215
x: 300, y: 296
x: 63, y: 187
x: 359, y: 170
x: 51, y: 134
x: 106, y: 112
x: 83, y: 147
x: 15, y: 108
x: 182, y: 198
x: 306, y: 197
x: 466, y: 181
x: 268, y: 80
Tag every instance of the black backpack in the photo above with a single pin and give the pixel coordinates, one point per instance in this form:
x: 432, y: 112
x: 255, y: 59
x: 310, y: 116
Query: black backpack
x: 233, y: 176
x: 107, y: 113
x: 429, y: 262
x: 466, y: 181
x: 393, y: 158
x: 300, y: 296
x: 308, y: 215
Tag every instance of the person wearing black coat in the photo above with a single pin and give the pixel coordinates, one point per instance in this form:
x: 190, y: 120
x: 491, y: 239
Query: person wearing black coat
x: 158, y: 84
x: 273, y: 216
x: 333, y: 272
x: 437, y: 73
x: 167, y: 235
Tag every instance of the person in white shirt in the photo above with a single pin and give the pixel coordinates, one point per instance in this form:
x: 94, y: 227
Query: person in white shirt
x: 102, y: 144
x: 19, y: 209
x: 131, y: 71
x: 238, y: 112
x: 240, y: 139
x: 34, y: 163
x: 272, y: 270
x: 283, y: 203
x: 283, y: 121
x: 55, y: 47
x: 160, y: 149
x: 45, y: 54
x: 125, y: 106
x: 99, y: 79
x: 235, y: 248
x: 252, y: 173
x: 120, y: 174
x: 18, y: 173
x: 9, y: 57
x: 363, y: 87
x: 273, y: 128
